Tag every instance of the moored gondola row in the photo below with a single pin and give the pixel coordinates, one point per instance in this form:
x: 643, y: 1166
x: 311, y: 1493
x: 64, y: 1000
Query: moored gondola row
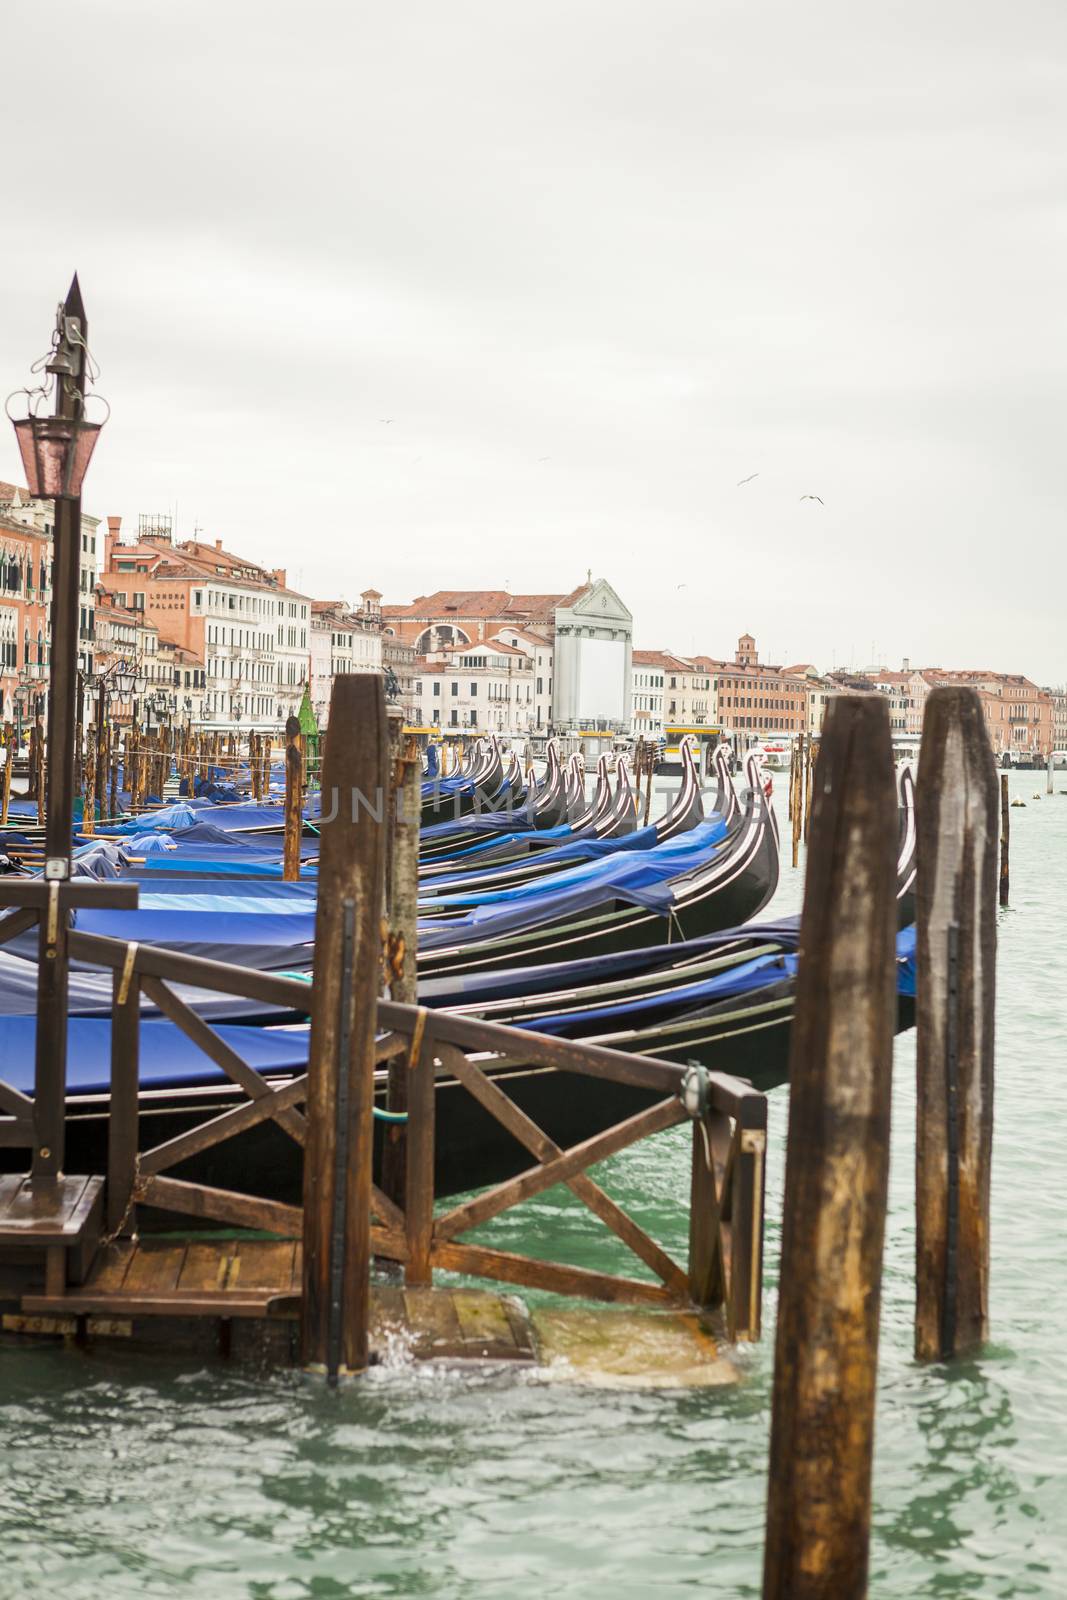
x: 543, y: 903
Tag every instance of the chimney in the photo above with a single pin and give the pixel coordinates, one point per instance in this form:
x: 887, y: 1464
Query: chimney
x: 907, y: 665
x: 114, y: 528
x: 278, y: 574
x: 218, y: 544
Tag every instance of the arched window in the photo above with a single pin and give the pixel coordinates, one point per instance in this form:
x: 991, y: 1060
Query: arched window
x: 438, y: 636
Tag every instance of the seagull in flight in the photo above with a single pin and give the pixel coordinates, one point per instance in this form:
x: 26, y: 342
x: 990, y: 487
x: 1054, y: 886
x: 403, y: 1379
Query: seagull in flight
x: 817, y: 497
x: 385, y: 419
x: 749, y: 479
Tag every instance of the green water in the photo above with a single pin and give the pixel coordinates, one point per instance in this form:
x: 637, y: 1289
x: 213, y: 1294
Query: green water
x: 123, y: 1476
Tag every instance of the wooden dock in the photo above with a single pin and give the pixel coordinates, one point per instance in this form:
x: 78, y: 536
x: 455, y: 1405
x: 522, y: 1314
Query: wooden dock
x: 242, y: 1296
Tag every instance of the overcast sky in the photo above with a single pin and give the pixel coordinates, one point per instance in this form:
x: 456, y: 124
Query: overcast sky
x: 467, y: 293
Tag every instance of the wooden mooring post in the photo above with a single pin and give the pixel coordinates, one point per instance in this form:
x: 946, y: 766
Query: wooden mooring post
x: 340, y: 1101
x: 956, y: 934
x: 10, y: 752
x: 401, y: 912
x: 837, y: 1167
x: 796, y: 807
x: 1005, y: 838
x: 294, y: 822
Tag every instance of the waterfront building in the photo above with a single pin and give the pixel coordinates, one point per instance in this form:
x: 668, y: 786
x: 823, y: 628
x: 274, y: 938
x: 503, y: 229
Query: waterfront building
x: 1018, y: 714
x: 650, y: 669
x: 818, y: 691
x: 755, y: 700
x: 183, y: 675
x: 1059, y: 717
x: 127, y: 642
x: 250, y: 629
x: 26, y: 595
x: 587, y: 633
x: 342, y: 642
x: 486, y: 687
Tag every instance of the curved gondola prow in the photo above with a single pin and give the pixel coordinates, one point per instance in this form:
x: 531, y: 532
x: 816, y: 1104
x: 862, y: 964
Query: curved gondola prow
x: 548, y: 803
x: 622, y: 816
x: 688, y: 807
x: 584, y: 819
x: 602, y: 794
x: 906, y: 862
x: 574, y: 788
x: 725, y: 794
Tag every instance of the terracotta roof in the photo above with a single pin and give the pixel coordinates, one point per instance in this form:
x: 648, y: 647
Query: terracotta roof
x: 483, y: 603
x: 496, y: 646
x: 660, y: 658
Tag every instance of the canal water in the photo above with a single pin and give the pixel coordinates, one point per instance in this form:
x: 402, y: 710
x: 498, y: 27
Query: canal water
x: 123, y: 1476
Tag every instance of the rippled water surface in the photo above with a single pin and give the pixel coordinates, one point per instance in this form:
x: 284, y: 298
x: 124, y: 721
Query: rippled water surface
x: 122, y: 1476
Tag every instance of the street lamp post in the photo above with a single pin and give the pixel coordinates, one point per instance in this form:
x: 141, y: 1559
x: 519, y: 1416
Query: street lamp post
x: 55, y: 453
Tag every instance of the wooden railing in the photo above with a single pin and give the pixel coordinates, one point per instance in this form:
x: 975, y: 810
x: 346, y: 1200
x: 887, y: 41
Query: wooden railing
x: 724, y: 1266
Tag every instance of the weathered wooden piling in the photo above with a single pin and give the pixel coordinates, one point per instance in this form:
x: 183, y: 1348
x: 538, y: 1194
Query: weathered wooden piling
x: 796, y: 809
x: 837, y: 1165
x: 402, y: 902
x: 89, y: 789
x: 293, y: 801
x: 39, y: 762
x: 340, y: 1101
x: 10, y: 752
x: 956, y: 843
x: 1048, y: 775
x: 1005, y: 837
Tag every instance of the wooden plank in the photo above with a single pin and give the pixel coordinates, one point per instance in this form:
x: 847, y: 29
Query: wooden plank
x: 10, y: 1184
x: 432, y: 1320
x: 419, y: 1168
x: 484, y: 1324
x: 228, y: 1303
x: 16, y: 922
x: 263, y: 1263
x: 220, y: 1205
x: 384, y: 1209
x: 204, y: 1036
x: 225, y: 1126
x: 122, y: 1123
x: 955, y: 1016
x: 14, y: 1101
x: 580, y: 1281
x: 837, y: 1168
x: 154, y: 1269
x: 558, y: 1169
x: 16, y: 1133
x: 47, y: 1213
x: 526, y: 1131
x: 707, y: 1277
x: 99, y: 950
x: 111, y: 1264
x: 206, y: 1267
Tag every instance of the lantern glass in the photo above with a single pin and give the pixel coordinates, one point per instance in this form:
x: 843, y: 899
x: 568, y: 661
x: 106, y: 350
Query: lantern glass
x: 55, y: 454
